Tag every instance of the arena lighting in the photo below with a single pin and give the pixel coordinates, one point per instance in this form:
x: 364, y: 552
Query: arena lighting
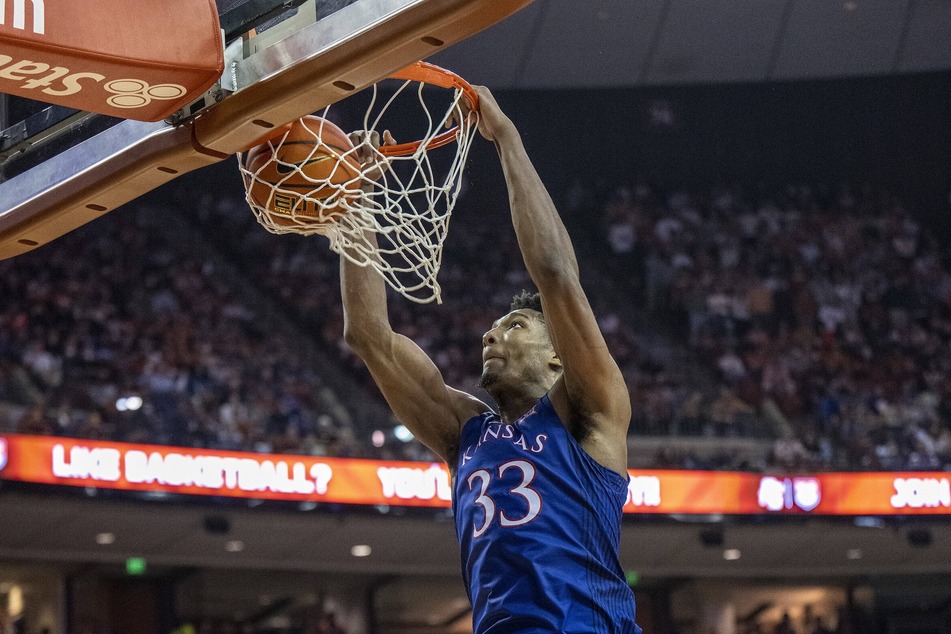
x: 732, y: 554
x: 854, y: 553
x: 378, y: 438
x: 15, y: 600
x: 234, y: 546
x: 361, y: 550
x: 402, y: 433
x: 129, y: 403
x: 105, y: 539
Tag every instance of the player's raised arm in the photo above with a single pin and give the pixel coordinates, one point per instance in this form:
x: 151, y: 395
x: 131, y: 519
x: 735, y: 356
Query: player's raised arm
x: 410, y: 381
x: 408, y: 378
x: 591, y: 391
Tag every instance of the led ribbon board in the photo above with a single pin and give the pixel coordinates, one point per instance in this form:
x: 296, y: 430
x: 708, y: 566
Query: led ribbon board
x: 153, y: 468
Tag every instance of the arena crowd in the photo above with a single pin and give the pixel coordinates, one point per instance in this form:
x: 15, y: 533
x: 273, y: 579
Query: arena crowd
x: 815, y: 321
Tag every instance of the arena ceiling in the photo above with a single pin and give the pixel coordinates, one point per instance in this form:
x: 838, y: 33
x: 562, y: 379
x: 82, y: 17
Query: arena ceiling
x: 616, y: 43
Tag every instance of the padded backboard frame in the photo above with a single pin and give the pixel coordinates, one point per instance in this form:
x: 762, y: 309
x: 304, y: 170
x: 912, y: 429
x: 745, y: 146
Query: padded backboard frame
x: 293, y: 69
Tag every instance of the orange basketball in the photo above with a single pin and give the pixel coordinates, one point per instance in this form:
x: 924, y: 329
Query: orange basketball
x: 303, y: 177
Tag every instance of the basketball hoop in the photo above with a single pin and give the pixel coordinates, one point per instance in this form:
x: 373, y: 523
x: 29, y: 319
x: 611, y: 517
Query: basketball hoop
x: 405, y: 194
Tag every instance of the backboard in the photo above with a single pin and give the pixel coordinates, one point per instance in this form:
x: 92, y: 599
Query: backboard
x: 284, y: 59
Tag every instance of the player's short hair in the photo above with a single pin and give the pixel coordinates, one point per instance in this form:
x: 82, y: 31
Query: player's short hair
x: 526, y: 299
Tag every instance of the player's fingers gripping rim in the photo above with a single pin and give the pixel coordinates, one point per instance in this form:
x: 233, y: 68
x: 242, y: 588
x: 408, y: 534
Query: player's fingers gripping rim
x: 489, y: 114
x: 367, y: 145
x: 462, y: 112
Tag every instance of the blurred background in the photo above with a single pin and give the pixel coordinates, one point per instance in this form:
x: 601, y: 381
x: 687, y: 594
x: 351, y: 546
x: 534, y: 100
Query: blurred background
x: 758, y: 194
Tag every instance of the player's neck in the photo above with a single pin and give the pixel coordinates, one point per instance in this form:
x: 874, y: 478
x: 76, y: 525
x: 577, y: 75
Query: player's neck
x: 513, y: 406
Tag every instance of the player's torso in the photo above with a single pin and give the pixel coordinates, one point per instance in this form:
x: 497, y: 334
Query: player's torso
x: 538, y: 524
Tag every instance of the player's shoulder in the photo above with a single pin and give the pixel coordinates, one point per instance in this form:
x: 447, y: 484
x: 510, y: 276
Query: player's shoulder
x: 466, y: 407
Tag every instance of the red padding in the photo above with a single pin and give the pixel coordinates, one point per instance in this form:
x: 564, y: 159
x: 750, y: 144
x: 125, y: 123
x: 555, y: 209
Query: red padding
x: 140, y: 59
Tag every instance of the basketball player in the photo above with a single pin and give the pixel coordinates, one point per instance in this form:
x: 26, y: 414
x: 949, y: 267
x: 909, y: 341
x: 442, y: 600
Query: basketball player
x: 538, y: 486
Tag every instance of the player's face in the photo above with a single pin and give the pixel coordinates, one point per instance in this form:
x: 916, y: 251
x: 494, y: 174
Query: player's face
x: 516, y: 351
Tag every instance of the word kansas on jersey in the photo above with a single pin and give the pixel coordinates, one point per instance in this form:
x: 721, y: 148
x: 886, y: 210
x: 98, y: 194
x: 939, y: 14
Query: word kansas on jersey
x: 503, y: 432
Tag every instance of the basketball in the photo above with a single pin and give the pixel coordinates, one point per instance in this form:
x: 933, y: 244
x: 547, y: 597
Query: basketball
x: 303, y: 176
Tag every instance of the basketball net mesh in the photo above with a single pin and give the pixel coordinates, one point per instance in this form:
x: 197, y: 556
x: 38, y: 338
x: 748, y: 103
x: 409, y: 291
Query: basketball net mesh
x: 407, y: 206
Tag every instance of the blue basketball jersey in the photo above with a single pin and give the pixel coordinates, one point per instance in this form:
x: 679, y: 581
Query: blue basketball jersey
x: 539, y: 521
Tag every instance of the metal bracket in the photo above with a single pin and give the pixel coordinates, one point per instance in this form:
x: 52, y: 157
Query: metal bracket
x: 40, y: 129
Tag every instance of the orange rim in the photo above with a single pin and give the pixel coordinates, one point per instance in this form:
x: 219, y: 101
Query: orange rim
x: 427, y: 73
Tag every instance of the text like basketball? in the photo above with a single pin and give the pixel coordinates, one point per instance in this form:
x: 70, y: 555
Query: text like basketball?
x: 303, y: 176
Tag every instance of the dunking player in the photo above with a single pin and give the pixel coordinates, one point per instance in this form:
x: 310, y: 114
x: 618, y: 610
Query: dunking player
x: 537, y: 487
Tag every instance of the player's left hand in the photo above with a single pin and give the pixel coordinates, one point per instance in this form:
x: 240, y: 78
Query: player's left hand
x: 492, y: 121
x: 463, y: 112
x: 372, y: 162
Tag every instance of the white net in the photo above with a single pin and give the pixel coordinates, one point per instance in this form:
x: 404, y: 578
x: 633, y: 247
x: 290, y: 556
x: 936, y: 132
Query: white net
x: 307, y: 181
